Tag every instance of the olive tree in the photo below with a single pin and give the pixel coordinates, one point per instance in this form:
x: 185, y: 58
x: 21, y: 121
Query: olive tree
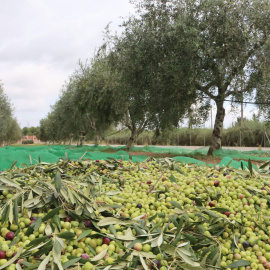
x: 149, y: 57
x: 232, y: 42
x: 10, y: 130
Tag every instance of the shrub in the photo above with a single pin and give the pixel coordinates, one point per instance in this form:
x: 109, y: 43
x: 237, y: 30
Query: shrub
x: 27, y: 142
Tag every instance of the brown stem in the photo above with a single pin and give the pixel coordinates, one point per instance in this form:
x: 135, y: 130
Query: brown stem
x: 154, y: 186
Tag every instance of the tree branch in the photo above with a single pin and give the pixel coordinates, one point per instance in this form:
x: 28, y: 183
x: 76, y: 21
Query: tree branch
x: 205, y: 89
x: 142, y: 127
x: 236, y: 70
x: 127, y: 122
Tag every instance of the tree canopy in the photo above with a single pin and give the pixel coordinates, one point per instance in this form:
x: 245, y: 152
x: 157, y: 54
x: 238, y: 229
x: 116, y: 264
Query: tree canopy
x: 171, y: 56
x: 10, y: 131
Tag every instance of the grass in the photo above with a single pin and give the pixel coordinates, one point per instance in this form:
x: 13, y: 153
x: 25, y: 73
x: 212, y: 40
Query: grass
x: 21, y: 145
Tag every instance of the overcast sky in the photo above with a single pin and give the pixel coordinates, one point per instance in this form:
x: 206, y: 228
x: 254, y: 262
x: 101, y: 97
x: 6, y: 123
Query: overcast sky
x: 41, y: 43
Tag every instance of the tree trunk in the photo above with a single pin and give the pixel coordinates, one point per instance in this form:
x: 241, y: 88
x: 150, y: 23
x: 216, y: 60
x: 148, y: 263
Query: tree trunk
x: 132, y: 138
x: 82, y: 138
x: 96, y: 140
x: 217, y: 132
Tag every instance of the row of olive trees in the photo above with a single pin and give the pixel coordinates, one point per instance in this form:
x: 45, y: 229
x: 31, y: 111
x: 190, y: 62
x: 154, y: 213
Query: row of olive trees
x: 114, y: 89
x: 10, y: 131
x: 171, y: 55
x: 75, y: 116
x: 252, y: 133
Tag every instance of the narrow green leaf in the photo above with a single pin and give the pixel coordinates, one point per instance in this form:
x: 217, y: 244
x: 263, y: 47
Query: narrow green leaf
x: 45, y: 244
x: 173, y: 220
x: 239, y: 263
x: 56, y: 220
x: 15, y: 209
x: 112, y: 230
x: 5, y: 212
x: 84, y: 234
x: 70, y: 262
x: 143, y: 263
x: 13, y: 164
x: 66, y: 235
x: 93, y: 193
x: 264, y: 165
x: 152, y: 217
x: 15, y: 239
x: 13, y: 259
x: 190, y: 238
x: 187, y: 259
x: 92, y: 250
x: 176, y: 204
x: 44, y: 250
x: 210, y: 213
x: 9, y: 182
x: 11, y: 213
x: 51, y: 214
x: 37, y: 241
x: 250, y: 168
x: 172, y: 178
x: 43, y: 264
x: 57, y: 247
x: 198, y: 202
x: 71, y: 197
x: 100, y: 255
x: 179, y: 170
x: 30, y: 266
x: 221, y: 210
x: 58, y: 182
x: 111, y: 220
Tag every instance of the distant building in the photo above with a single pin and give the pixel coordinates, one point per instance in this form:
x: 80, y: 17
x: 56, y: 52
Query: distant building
x: 29, y: 137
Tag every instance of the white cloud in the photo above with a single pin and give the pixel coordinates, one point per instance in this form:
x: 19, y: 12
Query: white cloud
x: 41, y: 43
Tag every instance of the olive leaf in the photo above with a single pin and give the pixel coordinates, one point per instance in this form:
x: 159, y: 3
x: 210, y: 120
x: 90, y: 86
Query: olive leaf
x: 66, y: 235
x: 239, y: 263
x: 100, y: 255
x: 58, y: 182
x: 70, y: 262
x: 43, y: 264
x: 13, y: 259
x: 84, y: 234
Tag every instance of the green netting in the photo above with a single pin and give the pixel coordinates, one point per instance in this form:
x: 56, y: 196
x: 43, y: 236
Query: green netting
x: 32, y: 154
x: 224, y: 162
x: 253, y: 155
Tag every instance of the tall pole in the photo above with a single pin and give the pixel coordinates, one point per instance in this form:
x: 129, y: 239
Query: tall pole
x: 211, y: 117
x: 242, y: 112
x: 240, y: 139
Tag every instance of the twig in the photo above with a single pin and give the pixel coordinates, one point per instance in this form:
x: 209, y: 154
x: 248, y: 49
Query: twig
x: 82, y: 156
x: 154, y: 186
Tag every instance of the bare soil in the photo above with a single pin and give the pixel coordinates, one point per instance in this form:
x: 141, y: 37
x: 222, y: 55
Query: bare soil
x: 208, y: 159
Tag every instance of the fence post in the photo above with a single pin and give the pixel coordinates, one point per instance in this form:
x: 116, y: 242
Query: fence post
x: 203, y: 139
x: 190, y: 139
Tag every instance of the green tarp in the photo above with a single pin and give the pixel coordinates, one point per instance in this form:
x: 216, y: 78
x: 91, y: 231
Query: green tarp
x: 48, y: 153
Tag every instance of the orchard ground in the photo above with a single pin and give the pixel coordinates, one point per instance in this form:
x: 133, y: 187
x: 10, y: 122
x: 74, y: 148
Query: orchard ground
x: 204, y: 158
